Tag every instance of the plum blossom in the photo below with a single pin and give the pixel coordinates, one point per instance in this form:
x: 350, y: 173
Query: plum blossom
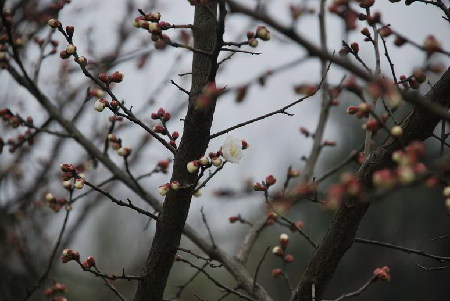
x: 232, y: 149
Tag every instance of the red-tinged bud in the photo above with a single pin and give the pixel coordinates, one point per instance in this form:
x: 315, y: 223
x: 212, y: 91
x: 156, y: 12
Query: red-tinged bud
x: 173, y: 143
x: 362, y: 17
x: 278, y: 251
x: 103, y: 77
x: 233, y: 219
x: 382, y: 273
x: 366, y: 3
x: 355, y: 47
x: 154, y: 116
x: 116, y: 145
x: 59, y: 298
x: 399, y: 41
x: 54, y: 23
x: 204, y: 160
x: 216, y: 161
x: 299, y: 224
x: 284, y: 240
x: 79, y: 183
x: 67, y: 176
x: 85, y: 265
x: 124, y: 151
x: 192, y: 166
x: 116, y: 77
x: 59, y: 287
x: 175, y: 135
x: 160, y: 112
x: 114, y: 104
x: 259, y: 187
x: 352, y: 110
x: 270, y: 180
x: 82, y: 61
x: 71, y: 49
x: 66, y: 167
x: 166, y: 117
x: 304, y: 131
x: 64, y: 54
x: 175, y: 185
x: 153, y: 17
x: 91, y: 261
x: 100, y: 104
x: 164, y: 25
x: 276, y: 273
x: 385, y: 31
x: 177, y: 258
x: 374, y: 19
x: 419, y: 75
x: 329, y: 143
x: 253, y: 42
x: 250, y: 34
x: 431, y: 45
x: 164, y: 189
x: 245, y: 144
x: 70, y: 30
x: 263, y: 33
x: 288, y: 258
x: 48, y: 292
x: 159, y: 129
x: 163, y: 163
x: 365, y: 31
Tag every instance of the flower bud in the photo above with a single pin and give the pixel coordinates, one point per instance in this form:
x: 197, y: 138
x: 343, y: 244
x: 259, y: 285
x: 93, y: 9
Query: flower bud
x: 262, y: 33
x: 204, y: 161
x: 103, y: 77
x: 284, y: 240
x: 198, y: 193
x: 396, y: 131
x: 166, y: 117
x: 288, y: 258
x: 270, y: 180
x: 355, y: 47
x: 216, y: 161
x: 278, y: 251
x: 175, y: 185
x: 446, y: 191
x: 233, y: 219
x: 71, y: 49
x: 54, y: 23
x: 276, y: 273
x: 124, y: 151
x: 164, y: 189
x: 100, y: 104
x: 79, y: 183
x: 192, y: 166
x: 116, y: 77
x: 159, y: 129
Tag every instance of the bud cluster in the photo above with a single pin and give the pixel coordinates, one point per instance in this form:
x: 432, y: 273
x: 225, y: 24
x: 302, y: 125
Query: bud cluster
x: 69, y: 255
x: 54, y: 203
x: 151, y: 22
x: 71, y: 177
x: 53, y: 291
x: 116, y: 144
x: 264, y: 185
x: 88, y: 263
x: 408, y: 166
x: 14, y: 121
x: 164, y: 116
x: 348, y: 189
x: 280, y: 251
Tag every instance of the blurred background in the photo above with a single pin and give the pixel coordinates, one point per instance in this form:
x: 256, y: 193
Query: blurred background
x: 119, y: 238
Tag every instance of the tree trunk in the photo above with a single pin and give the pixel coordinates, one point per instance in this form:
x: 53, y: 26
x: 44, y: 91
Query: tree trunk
x: 193, y: 145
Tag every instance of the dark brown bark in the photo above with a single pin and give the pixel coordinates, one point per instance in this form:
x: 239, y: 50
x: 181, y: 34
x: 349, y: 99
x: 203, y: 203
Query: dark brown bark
x: 418, y: 125
x: 193, y: 145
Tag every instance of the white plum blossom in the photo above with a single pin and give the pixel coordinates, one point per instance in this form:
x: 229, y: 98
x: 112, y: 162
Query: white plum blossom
x: 232, y: 149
